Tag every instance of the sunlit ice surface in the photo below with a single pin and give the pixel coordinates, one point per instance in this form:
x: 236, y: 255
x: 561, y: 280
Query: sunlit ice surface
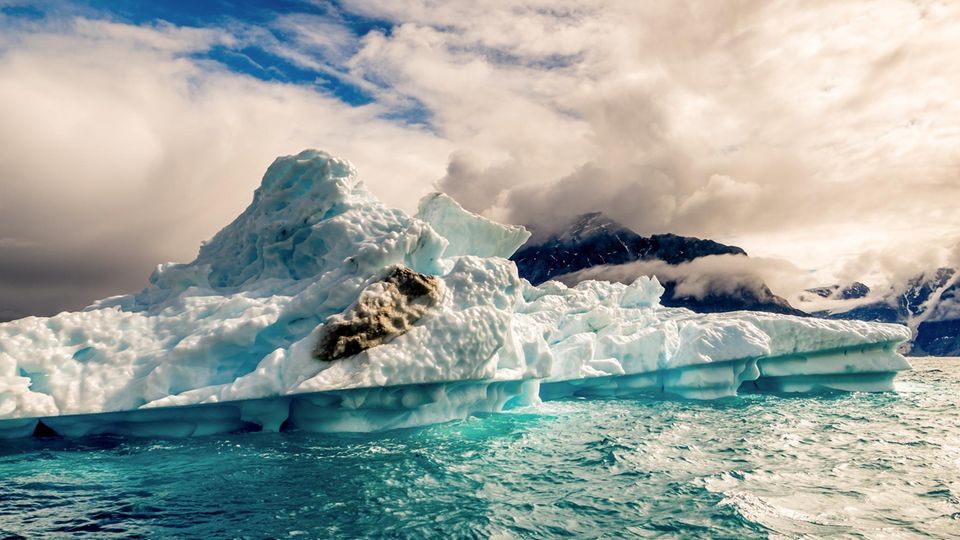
x: 877, y: 465
x: 320, y: 309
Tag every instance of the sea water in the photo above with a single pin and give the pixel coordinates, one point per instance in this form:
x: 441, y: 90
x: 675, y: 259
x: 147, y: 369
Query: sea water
x: 838, y: 465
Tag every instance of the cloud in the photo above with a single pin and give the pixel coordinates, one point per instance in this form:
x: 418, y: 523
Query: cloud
x: 748, y: 123
x: 713, y: 274
x: 708, y: 119
x: 121, y: 148
x: 17, y: 243
x: 10, y: 315
x: 885, y: 267
x: 888, y: 272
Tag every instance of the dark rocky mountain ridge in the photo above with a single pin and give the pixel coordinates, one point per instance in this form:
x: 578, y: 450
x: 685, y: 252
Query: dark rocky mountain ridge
x: 593, y: 239
x: 929, y: 303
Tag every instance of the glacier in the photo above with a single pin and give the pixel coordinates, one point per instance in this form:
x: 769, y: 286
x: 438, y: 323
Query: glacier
x: 320, y: 308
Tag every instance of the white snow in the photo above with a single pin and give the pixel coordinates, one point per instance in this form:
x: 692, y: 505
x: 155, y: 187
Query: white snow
x: 226, y: 342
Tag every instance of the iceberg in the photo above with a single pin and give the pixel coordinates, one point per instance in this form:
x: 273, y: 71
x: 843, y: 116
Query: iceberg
x: 320, y: 308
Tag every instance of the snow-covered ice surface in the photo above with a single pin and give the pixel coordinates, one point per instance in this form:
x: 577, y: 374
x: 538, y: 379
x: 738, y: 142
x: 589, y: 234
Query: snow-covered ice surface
x: 230, y: 341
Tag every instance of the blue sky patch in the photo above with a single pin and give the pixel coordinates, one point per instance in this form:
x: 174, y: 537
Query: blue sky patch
x: 240, y: 19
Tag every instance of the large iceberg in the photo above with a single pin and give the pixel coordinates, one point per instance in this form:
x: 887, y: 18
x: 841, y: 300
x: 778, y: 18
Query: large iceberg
x: 320, y: 308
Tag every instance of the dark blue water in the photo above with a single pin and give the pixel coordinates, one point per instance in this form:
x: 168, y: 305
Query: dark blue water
x: 855, y: 465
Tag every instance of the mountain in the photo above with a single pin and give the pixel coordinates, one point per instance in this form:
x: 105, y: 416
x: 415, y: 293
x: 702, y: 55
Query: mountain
x: 749, y: 296
x: 592, y: 240
x: 850, y: 292
x: 929, y: 303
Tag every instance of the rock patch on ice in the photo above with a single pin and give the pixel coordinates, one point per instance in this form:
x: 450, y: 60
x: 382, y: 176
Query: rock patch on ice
x: 385, y: 309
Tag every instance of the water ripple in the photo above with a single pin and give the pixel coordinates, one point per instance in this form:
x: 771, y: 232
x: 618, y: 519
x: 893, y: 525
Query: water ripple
x: 842, y: 465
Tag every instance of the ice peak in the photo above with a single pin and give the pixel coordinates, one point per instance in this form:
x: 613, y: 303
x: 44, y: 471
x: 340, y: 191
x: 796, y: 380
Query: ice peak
x: 299, y: 189
x: 310, y: 214
x: 307, y: 183
x: 469, y: 233
x: 296, y: 193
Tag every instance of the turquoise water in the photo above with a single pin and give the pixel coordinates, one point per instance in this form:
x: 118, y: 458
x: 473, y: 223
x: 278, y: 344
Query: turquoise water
x: 855, y: 465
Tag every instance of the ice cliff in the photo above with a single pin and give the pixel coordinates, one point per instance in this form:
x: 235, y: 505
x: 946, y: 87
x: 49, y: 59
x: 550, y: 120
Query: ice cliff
x: 320, y: 308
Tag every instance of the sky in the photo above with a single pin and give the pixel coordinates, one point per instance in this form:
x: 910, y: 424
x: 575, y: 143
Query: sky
x: 822, y: 137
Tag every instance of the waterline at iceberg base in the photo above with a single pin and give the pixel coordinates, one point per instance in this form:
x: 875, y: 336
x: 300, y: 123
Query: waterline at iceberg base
x: 321, y: 309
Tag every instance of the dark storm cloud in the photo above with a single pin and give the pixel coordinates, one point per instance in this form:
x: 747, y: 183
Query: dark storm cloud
x: 42, y: 281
